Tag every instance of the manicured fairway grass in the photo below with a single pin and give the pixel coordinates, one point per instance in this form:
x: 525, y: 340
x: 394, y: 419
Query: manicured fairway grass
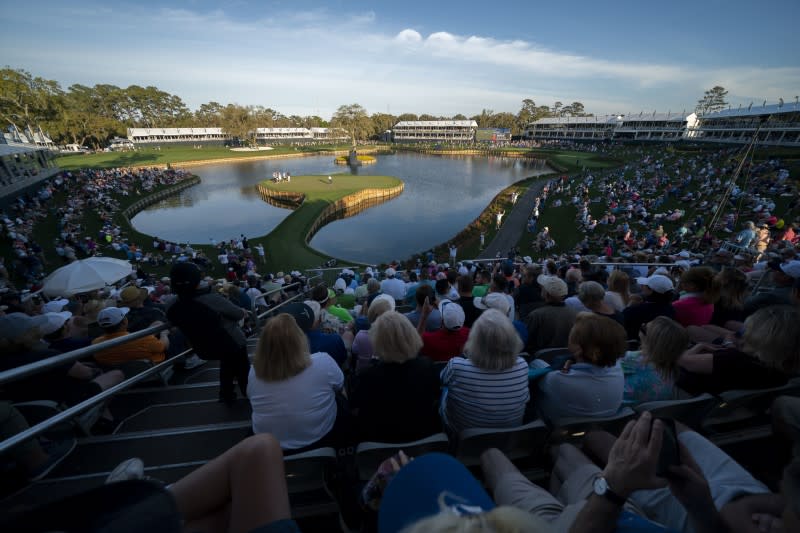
x: 285, y: 245
x: 178, y: 154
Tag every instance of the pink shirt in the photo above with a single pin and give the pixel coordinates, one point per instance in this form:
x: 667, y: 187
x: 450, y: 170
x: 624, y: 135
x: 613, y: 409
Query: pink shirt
x: 692, y: 310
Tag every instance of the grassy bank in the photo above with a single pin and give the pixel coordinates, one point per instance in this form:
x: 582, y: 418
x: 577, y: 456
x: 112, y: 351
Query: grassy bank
x: 183, y: 154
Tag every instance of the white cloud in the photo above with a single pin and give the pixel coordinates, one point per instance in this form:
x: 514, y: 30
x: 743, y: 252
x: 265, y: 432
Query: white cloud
x: 408, y: 36
x: 304, y: 62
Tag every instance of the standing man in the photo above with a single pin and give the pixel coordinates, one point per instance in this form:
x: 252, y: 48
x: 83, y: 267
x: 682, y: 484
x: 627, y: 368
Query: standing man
x: 211, y: 324
x: 261, y: 253
x: 500, y: 216
x: 483, y: 240
x: 453, y: 252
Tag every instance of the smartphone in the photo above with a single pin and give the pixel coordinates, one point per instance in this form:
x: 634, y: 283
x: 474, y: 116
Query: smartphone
x: 670, y: 449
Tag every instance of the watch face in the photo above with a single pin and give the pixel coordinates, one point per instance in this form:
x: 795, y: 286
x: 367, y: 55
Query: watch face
x: 600, y: 486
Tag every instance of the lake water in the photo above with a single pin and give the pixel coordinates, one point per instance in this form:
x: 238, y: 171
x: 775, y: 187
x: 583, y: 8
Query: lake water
x: 442, y: 195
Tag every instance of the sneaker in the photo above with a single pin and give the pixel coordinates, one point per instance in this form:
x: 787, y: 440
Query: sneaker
x: 193, y: 362
x: 56, y: 451
x: 132, y: 468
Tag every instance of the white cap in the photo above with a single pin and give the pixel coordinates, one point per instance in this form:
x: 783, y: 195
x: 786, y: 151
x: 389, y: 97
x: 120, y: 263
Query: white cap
x: 452, y: 314
x: 553, y: 285
x: 55, y: 306
x: 340, y: 285
x: 493, y: 300
x: 657, y: 282
x: 111, y: 316
x: 54, y: 322
x: 390, y: 272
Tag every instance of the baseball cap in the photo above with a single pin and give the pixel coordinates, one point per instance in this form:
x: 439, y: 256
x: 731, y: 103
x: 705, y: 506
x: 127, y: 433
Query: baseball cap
x: 340, y: 285
x: 657, y: 283
x: 54, y: 322
x: 185, y: 276
x: 55, y: 306
x: 302, y: 313
x: 493, y: 300
x: 452, y: 315
x: 553, y: 285
x: 111, y: 316
x: 315, y: 307
x: 132, y: 294
x: 428, y: 485
x: 14, y: 325
x: 390, y: 272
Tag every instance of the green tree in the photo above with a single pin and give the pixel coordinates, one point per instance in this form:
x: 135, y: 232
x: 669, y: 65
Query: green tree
x: 459, y: 117
x: 712, y: 100
x: 382, y: 122
x: 354, y: 120
x: 557, y: 109
x: 26, y: 101
x: 575, y: 109
x: 407, y: 116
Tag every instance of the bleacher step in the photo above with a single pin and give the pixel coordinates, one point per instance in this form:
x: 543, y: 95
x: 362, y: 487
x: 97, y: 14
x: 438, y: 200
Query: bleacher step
x: 132, y: 401
x: 101, y: 454
x: 185, y: 414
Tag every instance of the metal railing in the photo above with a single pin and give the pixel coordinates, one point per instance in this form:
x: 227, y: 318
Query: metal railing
x: 87, y: 404
x: 58, y: 360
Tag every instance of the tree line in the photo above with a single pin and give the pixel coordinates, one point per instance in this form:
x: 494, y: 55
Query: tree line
x: 92, y: 116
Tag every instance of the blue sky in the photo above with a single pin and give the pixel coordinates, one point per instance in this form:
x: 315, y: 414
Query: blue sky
x: 439, y: 57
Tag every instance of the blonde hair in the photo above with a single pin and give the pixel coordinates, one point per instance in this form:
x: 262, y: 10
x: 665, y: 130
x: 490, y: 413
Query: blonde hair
x: 503, y: 519
x: 772, y: 335
x: 377, y: 308
x: 282, y: 351
x: 664, y: 342
x: 601, y: 339
x: 493, y: 343
x: 394, y: 338
x: 92, y: 308
x: 620, y: 282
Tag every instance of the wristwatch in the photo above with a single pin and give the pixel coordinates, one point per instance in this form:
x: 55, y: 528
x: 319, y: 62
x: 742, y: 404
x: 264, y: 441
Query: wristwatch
x: 601, y: 488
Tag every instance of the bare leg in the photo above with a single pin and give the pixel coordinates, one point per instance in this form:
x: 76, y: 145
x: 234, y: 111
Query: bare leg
x: 248, y: 479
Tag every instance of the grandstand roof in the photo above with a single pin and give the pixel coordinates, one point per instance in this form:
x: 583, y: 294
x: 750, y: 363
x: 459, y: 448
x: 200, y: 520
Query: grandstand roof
x: 283, y: 130
x: 173, y: 131
x: 656, y: 117
x: 12, y: 149
x: 754, y: 111
x: 604, y: 119
x: 457, y: 123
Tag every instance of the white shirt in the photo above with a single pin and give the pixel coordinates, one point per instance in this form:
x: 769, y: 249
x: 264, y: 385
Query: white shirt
x: 396, y: 288
x: 300, y: 410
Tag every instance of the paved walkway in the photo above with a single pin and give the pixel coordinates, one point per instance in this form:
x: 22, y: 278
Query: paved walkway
x: 515, y: 223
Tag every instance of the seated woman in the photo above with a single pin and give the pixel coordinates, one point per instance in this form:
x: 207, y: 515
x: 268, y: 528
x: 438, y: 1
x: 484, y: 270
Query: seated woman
x: 769, y: 357
x: 695, y: 307
x: 362, y: 349
x: 593, y: 385
x: 650, y: 373
x: 293, y: 392
x: 592, y: 295
x: 488, y: 389
x: 618, y: 294
x: 396, y: 399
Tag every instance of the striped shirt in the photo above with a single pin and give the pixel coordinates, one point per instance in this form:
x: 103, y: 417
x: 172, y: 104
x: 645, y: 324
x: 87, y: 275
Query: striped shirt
x: 478, y: 398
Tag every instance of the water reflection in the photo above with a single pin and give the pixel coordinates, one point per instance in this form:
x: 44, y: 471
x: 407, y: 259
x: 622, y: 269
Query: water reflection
x: 442, y: 195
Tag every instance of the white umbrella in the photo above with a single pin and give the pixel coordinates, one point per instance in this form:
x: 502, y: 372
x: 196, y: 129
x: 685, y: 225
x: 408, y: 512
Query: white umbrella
x: 85, y: 275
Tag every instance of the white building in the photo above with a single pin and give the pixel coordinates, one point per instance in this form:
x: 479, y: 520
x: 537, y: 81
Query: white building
x: 593, y: 128
x: 23, y: 165
x: 776, y: 124
x: 177, y: 135
x: 283, y: 134
x: 329, y: 134
x: 655, y: 127
x: 435, y: 130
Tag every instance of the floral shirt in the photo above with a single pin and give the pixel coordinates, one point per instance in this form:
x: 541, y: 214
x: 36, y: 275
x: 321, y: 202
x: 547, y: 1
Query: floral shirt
x: 643, y: 383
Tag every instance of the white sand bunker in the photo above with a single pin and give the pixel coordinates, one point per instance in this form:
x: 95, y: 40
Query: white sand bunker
x: 256, y: 149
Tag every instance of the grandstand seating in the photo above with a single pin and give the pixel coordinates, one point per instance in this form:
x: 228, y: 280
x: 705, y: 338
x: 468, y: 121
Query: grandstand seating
x: 369, y: 455
x: 517, y: 443
x: 691, y: 412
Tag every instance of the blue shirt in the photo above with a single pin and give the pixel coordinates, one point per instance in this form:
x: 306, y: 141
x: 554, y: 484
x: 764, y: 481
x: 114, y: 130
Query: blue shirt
x: 585, y: 391
x: 329, y: 343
